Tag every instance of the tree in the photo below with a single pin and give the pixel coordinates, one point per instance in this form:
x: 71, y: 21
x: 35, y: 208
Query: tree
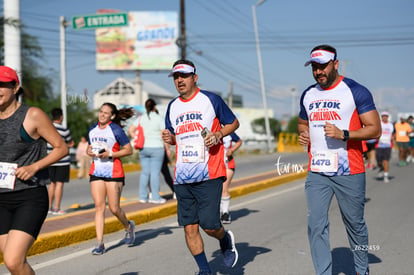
x: 258, y: 126
x: 37, y: 87
x: 293, y: 125
x: 80, y: 119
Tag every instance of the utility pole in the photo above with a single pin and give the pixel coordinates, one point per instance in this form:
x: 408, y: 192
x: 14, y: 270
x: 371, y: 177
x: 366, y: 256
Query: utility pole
x: 230, y: 98
x: 262, y: 82
x: 62, y: 25
x: 293, y: 90
x: 138, y: 87
x: 12, y: 37
x: 344, y: 63
x: 182, y: 40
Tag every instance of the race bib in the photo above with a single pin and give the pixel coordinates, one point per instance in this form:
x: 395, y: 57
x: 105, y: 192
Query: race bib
x: 324, y: 161
x: 7, y: 175
x: 385, y: 140
x: 402, y: 133
x: 192, y: 152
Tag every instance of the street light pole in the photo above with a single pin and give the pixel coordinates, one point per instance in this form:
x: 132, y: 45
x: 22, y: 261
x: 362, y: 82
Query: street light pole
x: 293, y: 101
x: 262, y: 83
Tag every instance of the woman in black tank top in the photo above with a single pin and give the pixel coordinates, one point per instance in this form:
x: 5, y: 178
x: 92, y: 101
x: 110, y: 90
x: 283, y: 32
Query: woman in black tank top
x: 24, y: 203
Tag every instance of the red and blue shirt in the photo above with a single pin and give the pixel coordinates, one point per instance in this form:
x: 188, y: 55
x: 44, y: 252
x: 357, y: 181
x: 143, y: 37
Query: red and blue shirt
x: 340, y: 105
x: 186, y: 119
x: 112, y: 137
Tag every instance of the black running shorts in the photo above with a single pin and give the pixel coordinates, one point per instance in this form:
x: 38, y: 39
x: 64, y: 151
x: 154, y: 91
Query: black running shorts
x: 59, y: 173
x: 24, y: 210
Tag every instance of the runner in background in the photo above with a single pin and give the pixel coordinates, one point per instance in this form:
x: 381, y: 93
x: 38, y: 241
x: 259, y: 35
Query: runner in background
x: 384, y: 147
x: 229, y: 150
x: 402, y: 131
x: 410, y: 157
x: 108, y: 144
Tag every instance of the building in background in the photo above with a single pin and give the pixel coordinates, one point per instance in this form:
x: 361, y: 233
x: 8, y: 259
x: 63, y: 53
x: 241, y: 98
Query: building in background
x: 123, y: 92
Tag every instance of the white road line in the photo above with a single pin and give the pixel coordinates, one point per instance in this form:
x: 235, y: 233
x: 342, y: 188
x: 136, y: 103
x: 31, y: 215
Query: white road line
x: 88, y: 251
x: 278, y: 193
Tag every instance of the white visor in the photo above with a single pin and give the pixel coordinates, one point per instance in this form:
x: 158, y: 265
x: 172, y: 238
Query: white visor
x: 182, y: 68
x: 321, y: 57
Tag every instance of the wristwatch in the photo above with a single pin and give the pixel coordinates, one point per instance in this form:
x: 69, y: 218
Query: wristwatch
x: 346, y: 135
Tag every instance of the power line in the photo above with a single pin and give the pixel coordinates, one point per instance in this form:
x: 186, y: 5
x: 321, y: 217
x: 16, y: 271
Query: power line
x: 232, y: 43
x: 219, y: 13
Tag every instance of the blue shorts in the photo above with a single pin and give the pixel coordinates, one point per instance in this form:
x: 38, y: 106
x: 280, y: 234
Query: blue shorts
x: 24, y: 210
x: 199, y: 203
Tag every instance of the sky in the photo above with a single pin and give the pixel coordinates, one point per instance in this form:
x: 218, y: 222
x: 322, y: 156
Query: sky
x: 374, y: 40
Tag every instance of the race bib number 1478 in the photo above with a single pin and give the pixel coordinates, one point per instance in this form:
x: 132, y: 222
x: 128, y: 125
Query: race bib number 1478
x: 324, y: 161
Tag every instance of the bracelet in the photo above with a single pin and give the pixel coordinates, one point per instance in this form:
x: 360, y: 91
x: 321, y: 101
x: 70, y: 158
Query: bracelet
x: 110, y: 154
x: 222, y: 135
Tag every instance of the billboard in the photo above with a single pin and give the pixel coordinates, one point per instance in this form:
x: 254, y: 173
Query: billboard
x: 147, y: 43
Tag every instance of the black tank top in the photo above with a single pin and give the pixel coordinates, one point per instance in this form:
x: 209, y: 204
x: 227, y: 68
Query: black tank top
x: 16, y: 146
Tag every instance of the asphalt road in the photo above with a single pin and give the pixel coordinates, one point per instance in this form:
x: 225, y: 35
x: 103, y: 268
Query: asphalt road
x: 270, y: 232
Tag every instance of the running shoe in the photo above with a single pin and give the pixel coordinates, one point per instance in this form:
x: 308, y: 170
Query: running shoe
x: 58, y: 212
x: 130, y: 234
x: 386, y: 179
x: 99, y: 250
x: 402, y: 163
x: 230, y: 253
x: 160, y: 201
x: 226, y: 218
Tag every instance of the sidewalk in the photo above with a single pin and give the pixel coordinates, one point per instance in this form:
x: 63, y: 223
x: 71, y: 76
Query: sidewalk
x: 78, y: 226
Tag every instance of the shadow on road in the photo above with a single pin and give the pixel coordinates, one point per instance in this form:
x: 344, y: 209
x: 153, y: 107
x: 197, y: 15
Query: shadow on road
x: 146, y: 235
x: 343, y: 261
x: 241, y: 213
x: 247, y: 254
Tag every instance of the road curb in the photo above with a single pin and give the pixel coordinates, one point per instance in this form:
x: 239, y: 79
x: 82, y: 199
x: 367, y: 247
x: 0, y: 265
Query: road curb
x: 49, y: 241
